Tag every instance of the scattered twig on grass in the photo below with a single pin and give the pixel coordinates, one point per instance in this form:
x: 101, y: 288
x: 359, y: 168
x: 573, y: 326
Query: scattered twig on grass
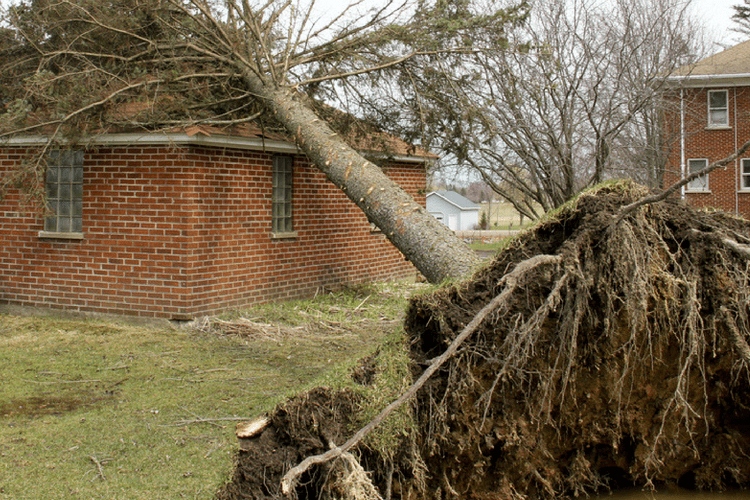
x: 180, y: 423
x: 202, y: 420
x: 510, y: 282
x: 360, y: 305
x: 55, y: 382
x: 247, y: 328
x: 114, y: 367
x: 209, y: 452
x: 100, y: 466
x: 212, y: 370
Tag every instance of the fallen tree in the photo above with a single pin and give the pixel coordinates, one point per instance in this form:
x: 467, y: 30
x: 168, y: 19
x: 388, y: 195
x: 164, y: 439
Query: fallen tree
x: 615, y: 356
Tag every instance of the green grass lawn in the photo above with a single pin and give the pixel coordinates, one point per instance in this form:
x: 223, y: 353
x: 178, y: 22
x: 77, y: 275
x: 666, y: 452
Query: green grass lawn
x: 106, y: 409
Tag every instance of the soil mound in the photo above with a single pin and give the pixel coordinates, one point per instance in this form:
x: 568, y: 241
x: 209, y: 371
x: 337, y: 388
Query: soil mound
x: 303, y: 426
x: 613, y: 354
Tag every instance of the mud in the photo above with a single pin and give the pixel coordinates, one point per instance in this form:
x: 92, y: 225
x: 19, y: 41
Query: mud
x: 620, y: 366
x: 35, y: 406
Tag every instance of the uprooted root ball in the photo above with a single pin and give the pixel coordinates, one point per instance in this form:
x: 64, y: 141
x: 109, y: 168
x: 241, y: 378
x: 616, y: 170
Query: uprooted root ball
x: 619, y: 364
x: 617, y: 356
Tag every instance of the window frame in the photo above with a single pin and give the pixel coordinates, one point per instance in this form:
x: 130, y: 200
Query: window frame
x: 692, y: 186
x: 282, y: 196
x: 744, y: 175
x: 714, y: 123
x: 63, y: 184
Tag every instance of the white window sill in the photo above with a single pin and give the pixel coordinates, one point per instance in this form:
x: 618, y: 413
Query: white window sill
x: 284, y: 236
x: 697, y: 191
x: 60, y: 236
x: 718, y: 127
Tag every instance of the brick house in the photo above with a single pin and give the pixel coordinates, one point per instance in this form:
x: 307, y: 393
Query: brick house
x: 711, y: 120
x: 189, y: 223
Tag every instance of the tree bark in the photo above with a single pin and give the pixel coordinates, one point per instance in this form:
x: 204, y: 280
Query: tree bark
x: 433, y: 248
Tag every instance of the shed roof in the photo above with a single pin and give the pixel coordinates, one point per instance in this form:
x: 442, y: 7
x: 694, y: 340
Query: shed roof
x: 456, y: 199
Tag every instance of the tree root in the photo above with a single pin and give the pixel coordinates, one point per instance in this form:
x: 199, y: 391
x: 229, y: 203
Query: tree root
x: 737, y: 338
x: 347, y: 480
x: 510, y: 282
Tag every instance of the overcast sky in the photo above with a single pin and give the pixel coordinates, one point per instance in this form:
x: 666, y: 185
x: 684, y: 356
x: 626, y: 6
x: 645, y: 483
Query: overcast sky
x: 716, y: 14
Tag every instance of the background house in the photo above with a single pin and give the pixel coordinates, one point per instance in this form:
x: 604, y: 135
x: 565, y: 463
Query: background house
x: 188, y: 223
x: 455, y: 211
x: 711, y: 120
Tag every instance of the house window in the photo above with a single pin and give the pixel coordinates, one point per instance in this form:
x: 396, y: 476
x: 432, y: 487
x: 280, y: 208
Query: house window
x: 718, y: 108
x: 281, y: 213
x: 745, y: 175
x: 700, y: 183
x: 64, y: 185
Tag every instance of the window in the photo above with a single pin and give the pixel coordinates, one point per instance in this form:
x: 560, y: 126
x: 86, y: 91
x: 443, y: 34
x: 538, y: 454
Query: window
x: 718, y: 108
x: 701, y: 183
x: 745, y: 174
x: 64, y: 184
x: 281, y: 214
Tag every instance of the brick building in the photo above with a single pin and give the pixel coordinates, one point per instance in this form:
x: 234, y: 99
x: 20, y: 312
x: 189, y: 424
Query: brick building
x: 711, y: 120
x: 186, y: 224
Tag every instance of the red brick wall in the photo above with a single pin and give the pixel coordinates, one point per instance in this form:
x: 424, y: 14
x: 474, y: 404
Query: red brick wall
x: 702, y: 142
x: 181, y: 232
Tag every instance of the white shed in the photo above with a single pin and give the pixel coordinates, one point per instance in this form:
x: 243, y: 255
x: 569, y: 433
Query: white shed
x: 455, y: 211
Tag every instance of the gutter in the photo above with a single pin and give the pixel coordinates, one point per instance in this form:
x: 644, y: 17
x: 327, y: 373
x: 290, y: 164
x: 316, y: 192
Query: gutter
x: 715, y: 80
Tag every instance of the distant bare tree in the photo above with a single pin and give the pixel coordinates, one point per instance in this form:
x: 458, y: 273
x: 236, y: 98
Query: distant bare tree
x: 567, y: 100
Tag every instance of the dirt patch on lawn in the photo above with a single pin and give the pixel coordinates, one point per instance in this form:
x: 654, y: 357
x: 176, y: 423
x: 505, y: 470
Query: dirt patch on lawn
x: 618, y: 359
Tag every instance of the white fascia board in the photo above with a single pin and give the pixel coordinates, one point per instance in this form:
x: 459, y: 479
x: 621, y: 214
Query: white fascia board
x: 181, y: 139
x: 736, y: 80
x: 397, y: 158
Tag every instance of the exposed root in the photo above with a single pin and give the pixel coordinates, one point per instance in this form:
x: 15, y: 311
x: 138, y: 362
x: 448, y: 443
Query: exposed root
x: 739, y: 340
x: 347, y: 480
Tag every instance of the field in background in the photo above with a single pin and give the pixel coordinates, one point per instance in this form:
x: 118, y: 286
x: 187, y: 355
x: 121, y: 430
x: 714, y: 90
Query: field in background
x: 502, y: 215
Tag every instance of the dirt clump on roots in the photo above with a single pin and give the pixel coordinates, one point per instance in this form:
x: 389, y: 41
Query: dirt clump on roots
x: 615, y: 354
x: 305, y: 425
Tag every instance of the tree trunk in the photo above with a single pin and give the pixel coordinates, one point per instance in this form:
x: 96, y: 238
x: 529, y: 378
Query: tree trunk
x: 433, y: 249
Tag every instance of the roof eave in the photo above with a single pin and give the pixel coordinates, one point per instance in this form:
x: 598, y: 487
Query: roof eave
x: 184, y: 139
x: 711, y: 80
